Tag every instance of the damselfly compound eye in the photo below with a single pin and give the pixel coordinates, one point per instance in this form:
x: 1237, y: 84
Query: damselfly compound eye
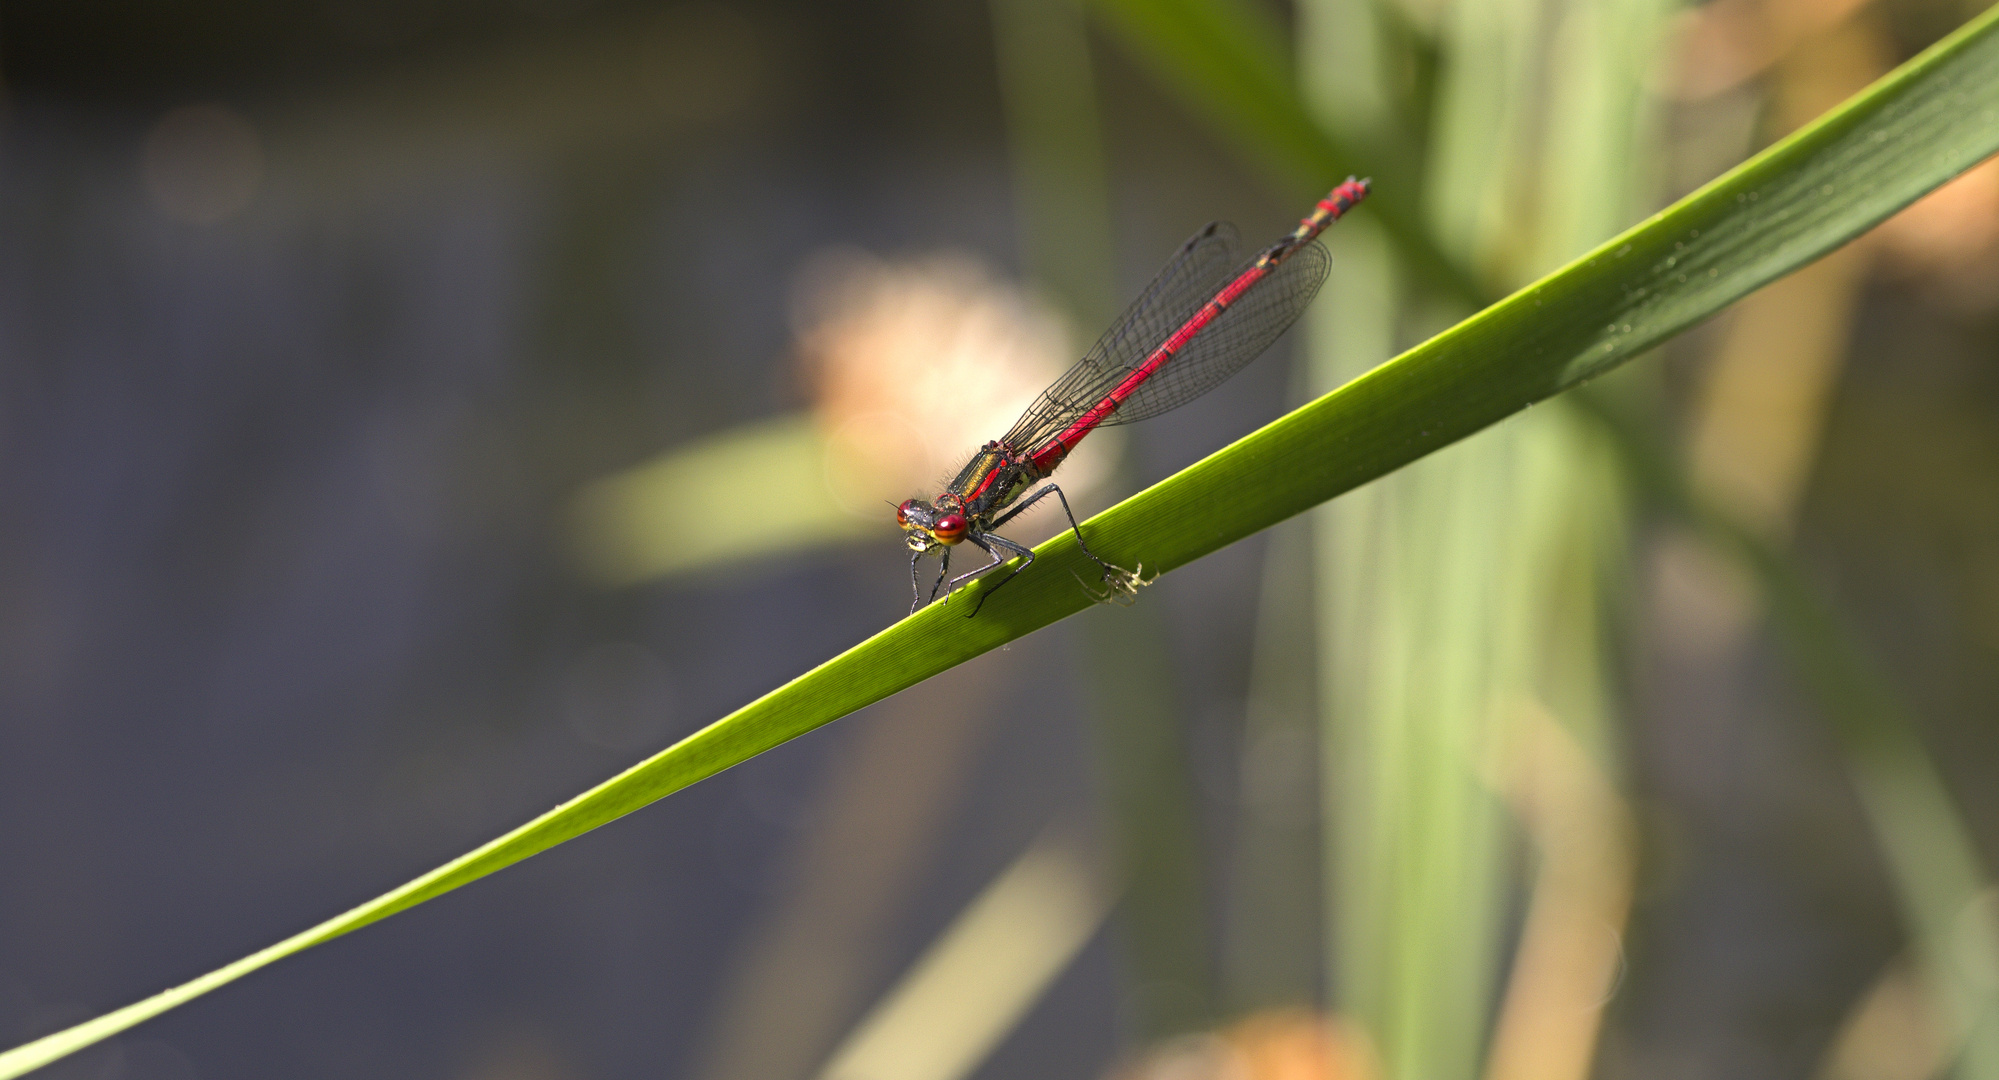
x: 950, y: 528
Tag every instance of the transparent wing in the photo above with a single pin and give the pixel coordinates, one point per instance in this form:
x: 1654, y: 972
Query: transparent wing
x: 1190, y: 279
x: 1222, y: 348
x: 1237, y: 336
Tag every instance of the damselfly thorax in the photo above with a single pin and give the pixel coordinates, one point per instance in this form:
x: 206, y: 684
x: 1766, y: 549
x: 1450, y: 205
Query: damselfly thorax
x: 988, y: 484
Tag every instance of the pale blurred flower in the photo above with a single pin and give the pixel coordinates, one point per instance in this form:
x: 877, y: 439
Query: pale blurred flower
x: 915, y: 364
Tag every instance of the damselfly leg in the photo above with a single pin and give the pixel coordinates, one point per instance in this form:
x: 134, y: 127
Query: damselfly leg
x: 1013, y: 551
x: 1111, y: 573
x: 916, y: 583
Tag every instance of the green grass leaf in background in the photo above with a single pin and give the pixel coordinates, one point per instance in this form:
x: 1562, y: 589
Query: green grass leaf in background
x: 1910, y: 132
x: 1230, y: 64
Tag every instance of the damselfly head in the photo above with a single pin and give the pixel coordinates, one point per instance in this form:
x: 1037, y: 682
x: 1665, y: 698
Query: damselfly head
x: 928, y: 526
x: 916, y: 516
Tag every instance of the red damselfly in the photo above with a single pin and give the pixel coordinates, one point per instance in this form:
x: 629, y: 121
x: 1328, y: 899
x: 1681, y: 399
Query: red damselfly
x: 1200, y: 321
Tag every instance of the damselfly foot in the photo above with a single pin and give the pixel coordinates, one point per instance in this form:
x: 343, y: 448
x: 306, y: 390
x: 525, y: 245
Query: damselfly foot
x: 1120, y: 585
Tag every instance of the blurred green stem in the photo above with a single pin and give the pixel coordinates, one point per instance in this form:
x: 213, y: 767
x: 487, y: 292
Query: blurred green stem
x: 1063, y: 203
x: 1461, y: 595
x: 1227, y: 60
x: 1055, y: 137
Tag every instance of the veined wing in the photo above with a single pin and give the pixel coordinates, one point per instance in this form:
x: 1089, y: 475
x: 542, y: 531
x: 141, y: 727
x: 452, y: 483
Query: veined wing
x: 1235, y: 336
x: 1238, y: 335
x: 1189, y: 280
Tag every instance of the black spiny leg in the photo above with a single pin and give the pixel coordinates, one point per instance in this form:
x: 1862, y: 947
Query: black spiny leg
x: 980, y: 540
x: 942, y: 572
x: 1109, y: 570
x: 1013, y: 550
x: 915, y: 586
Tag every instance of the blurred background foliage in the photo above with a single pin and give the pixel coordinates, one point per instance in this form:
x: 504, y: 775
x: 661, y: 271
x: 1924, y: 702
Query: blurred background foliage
x: 412, y: 412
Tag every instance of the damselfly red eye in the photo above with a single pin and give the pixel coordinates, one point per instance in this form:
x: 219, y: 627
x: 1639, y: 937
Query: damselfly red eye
x: 950, y: 528
x: 902, y: 513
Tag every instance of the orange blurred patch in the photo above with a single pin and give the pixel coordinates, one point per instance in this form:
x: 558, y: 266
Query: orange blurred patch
x: 1948, y: 230
x: 1282, y: 1044
x: 1298, y: 1045
x: 1723, y: 44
